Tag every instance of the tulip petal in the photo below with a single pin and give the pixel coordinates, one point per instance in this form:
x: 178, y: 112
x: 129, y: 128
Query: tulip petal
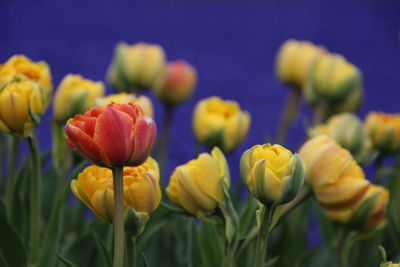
x: 144, y: 136
x: 85, y: 145
x: 103, y: 204
x: 113, y: 132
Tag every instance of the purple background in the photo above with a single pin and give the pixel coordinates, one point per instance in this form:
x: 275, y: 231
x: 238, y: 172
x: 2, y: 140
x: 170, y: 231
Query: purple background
x: 232, y: 45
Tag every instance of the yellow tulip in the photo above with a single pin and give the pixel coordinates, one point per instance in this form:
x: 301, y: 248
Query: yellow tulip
x: 123, y: 98
x: 22, y: 102
x: 369, y: 213
x: 21, y: 65
x: 75, y: 95
x: 220, y: 123
x: 334, y: 81
x: 335, y: 177
x: 137, y: 66
x: 384, y: 131
x: 349, y: 132
x: 272, y: 173
x: 178, y: 83
x: 295, y: 59
x: 196, y: 185
x: 94, y: 187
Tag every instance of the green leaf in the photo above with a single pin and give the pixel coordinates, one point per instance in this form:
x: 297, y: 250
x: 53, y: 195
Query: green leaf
x: 211, y: 248
x: 175, y: 209
x: 101, y: 245
x: 231, y: 218
x: 11, y: 245
x: 247, y: 215
x: 66, y: 262
x: 145, y: 262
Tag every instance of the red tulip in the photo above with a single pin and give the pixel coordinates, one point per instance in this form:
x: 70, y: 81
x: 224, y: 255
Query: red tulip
x: 111, y: 136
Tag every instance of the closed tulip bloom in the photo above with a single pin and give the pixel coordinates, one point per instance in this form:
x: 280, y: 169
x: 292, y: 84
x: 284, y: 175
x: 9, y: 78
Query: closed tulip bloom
x: 348, y: 131
x: 221, y: 123
x: 295, y: 59
x: 112, y: 136
x: 123, y: 98
x: 337, y: 180
x: 21, y: 65
x: 136, y: 66
x: 335, y: 81
x: 94, y: 187
x: 384, y: 131
x: 178, y: 83
x: 22, y: 102
x: 75, y: 95
x: 369, y: 213
x: 196, y: 185
x: 272, y: 173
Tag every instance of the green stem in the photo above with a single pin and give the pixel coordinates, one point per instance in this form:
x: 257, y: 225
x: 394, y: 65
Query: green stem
x: 10, y: 193
x: 35, y: 193
x: 378, y: 166
x: 189, y: 243
x: 118, y: 216
x: 130, y: 247
x: 164, y: 138
x: 320, y: 113
x: 302, y: 196
x: 288, y: 114
x: 341, y: 247
x: 263, y: 233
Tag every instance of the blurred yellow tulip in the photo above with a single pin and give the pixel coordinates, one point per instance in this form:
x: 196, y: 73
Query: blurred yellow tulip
x: 220, y: 123
x: 22, y: 102
x: 75, y: 95
x: 124, y: 98
x: 196, y: 185
x: 142, y: 192
x: 272, y: 173
x: 294, y: 61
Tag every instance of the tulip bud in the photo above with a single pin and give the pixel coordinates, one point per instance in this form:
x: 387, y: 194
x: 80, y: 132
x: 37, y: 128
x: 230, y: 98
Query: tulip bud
x: 21, y: 65
x: 142, y: 192
x: 123, y: 98
x: 272, y: 173
x: 384, y: 131
x: 295, y: 59
x: 112, y: 136
x: 75, y: 95
x: 369, y: 213
x: 196, y: 185
x: 220, y: 123
x: 22, y: 103
x: 348, y: 131
x: 179, y: 83
x: 136, y: 66
x: 336, y: 179
x: 334, y: 81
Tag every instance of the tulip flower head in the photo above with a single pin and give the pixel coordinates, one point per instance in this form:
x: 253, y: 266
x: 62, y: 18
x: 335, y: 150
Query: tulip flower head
x: 112, y: 136
x: 336, y: 82
x: 220, y: 123
x: 22, y: 103
x: 384, y: 131
x: 75, y: 95
x: 349, y: 132
x: 272, y: 173
x: 94, y: 187
x: 294, y: 61
x: 196, y: 185
x: 136, y: 66
x: 123, y: 98
x: 178, y: 84
x: 21, y: 65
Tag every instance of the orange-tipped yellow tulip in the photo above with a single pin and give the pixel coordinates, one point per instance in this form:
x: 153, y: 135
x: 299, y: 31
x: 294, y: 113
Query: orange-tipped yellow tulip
x: 123, y: 98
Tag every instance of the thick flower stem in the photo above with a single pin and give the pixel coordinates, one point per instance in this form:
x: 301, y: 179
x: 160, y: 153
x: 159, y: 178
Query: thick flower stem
x: 302, y: 196
x: 164, y: 138
x: 378, y: 167
x: 341, y: 247
x: 118, y: 216
x: 130, y: 247
x: 320, y: 113
x: 263, y: 233
x: 35, y: 188
x: 288, y: 114
x: 189, y: 243
x: 10, y: 193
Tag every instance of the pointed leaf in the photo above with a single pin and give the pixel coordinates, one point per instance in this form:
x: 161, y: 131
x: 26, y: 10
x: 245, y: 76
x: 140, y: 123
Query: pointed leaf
x: 102, y: 247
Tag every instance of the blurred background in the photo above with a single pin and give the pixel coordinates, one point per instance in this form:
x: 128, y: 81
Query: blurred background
x: 232, y: 44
